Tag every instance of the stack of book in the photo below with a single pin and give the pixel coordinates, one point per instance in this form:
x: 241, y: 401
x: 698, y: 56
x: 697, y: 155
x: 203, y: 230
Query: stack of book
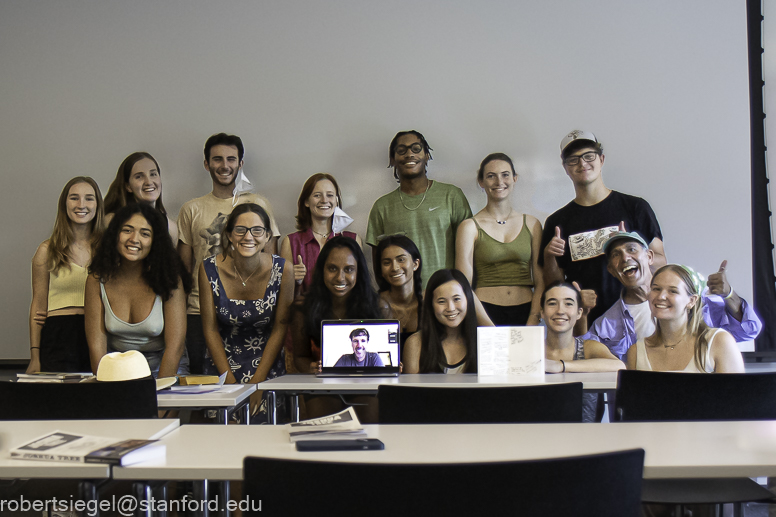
x: 342, y: 425
x: 77, y: 448
x: 53, y: 377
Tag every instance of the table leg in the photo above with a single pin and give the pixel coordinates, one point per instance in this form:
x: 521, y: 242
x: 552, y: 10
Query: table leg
x: 142, y: 492
x: 87, y: 491
x: 272, y: 410
x: 202, y: 496
x: 222, y: 416
x: 225, y: 497
x: 295, y: 407
x: 247, y: 413
x: 161, y: 495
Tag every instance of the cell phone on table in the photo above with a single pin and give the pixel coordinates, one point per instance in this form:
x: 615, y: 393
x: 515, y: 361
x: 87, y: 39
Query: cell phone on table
x: 358, y: 444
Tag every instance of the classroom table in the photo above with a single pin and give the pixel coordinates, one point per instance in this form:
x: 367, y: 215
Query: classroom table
x: 673, y: 449
x: 219, y: 401
x: 297, y: 384
x: 15, y: 433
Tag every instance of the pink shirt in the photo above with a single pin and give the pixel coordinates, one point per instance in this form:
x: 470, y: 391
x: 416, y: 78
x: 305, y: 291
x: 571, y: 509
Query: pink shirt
x: 304, y: 243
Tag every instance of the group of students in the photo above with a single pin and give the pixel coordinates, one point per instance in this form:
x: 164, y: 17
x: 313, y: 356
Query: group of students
x: 439, y: 270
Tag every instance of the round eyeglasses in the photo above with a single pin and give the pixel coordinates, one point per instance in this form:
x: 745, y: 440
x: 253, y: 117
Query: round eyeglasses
x: 416, y: 148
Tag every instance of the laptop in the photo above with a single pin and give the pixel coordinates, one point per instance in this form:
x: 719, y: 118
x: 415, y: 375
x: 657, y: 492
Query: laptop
x: 360, y: 348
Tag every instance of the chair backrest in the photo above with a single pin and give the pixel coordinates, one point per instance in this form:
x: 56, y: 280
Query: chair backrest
x: 587, y: 486
x: 669, y: 396
x: 547, y: 403
x: 78, y: 401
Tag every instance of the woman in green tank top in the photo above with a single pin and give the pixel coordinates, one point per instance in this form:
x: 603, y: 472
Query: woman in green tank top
x: 498, y: 249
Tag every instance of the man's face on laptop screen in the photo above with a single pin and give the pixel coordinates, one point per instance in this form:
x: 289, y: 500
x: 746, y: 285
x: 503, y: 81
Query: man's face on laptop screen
x: 359, y: 347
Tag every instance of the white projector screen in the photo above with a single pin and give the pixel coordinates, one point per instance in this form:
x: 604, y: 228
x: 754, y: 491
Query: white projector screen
x: 323, y: 87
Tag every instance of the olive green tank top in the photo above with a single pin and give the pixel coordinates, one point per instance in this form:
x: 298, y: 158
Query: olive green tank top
x: 503, y: 263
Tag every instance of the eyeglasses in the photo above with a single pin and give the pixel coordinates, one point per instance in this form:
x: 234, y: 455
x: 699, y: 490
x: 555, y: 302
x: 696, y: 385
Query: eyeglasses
x: 416, y: 148
x: 588, y: 157
x: 256, y: 231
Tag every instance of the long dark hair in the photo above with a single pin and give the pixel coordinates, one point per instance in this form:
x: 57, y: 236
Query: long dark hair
x: 362, y: 303
x: 117, y: 195
x: 162, y: 267
x: 405, y: 243
x: 432, y: 356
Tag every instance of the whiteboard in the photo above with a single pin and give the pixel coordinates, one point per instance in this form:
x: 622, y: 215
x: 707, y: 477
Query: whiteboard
x: 323, y: 87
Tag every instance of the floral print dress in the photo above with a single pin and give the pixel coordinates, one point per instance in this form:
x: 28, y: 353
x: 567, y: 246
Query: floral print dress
x: 245, y: 325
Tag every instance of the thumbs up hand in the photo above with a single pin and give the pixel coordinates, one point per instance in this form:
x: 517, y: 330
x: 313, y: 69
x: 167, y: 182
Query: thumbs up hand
x: 718, y: 283
x: 299, y: 270
x: 589, y: 298
x: 621, y: 228
x: 556, y: 246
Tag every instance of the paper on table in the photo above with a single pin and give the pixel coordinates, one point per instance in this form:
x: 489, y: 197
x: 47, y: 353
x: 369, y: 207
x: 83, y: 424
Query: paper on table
x: 204, y: 388
x: 510, y: 351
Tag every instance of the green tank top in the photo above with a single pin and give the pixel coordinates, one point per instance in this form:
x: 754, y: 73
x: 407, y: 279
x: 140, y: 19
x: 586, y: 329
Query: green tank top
x: 503, y: 263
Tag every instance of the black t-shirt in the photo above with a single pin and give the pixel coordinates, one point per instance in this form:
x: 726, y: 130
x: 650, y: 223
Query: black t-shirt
x: 585, y: 229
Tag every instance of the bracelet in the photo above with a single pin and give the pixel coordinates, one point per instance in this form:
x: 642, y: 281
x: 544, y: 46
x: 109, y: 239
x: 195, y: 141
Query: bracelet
x: 564, y: 366
x: 729, y: 294
x: 34, y: 348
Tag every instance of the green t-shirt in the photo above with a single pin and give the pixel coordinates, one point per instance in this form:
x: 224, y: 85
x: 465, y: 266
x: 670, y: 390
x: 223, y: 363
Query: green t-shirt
x: 431, y: 226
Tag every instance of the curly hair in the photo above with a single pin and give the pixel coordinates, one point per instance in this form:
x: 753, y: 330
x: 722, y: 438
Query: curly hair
x: 62, y: 234
x: 163, y: 267
x: 405, y: 243
x: 433, y: 332
x: 362, y: 301
x: 117, y: 195
x: 303, y: 218
x: 392, y: 148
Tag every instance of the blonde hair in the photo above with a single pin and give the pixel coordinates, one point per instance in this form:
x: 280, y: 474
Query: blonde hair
x: 62, y: 235
x: 696, y: 325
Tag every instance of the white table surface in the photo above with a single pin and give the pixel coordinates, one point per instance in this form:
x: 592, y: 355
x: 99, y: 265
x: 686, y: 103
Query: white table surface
x: 171, y: 399
x: 601, y: 381
x: 15, y: 433
x: 673, y: 450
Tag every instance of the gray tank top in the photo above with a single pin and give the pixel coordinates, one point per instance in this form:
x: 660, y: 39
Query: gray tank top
x: 145, y: 336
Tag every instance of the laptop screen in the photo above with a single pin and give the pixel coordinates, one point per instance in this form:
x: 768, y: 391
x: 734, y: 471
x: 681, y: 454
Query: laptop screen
x: 360, y: 344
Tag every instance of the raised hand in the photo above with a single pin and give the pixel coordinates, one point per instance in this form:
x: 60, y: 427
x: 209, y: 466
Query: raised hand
x: 557, y: 245
x: 718, y: 283
x: 299, y: 270
x: 588, y: 296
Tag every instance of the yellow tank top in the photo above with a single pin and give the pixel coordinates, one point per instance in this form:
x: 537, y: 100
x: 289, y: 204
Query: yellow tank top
x: 503, y: 263
x: 66, y: 288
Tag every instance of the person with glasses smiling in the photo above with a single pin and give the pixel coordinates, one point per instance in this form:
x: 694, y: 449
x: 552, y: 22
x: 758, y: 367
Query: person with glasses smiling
x: 426, y: 211
x: 245, y: 300
x: 573, y: 237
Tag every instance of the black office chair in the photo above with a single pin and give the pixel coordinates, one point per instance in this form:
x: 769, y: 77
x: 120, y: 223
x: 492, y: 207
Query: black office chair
x: 78, y: 401
x: 548, y: 403
x: 586, y: 486
x: 669, y: 396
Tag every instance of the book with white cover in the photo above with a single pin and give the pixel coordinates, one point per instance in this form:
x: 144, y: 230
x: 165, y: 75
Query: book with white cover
x: 340, y: 425
x: 510, y: 351
x: 77, y: 448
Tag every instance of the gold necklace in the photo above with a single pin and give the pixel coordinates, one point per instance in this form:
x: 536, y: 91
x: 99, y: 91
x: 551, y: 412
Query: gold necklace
x: 234, y: 264
x: 324, y: 235
x: 428, y: 184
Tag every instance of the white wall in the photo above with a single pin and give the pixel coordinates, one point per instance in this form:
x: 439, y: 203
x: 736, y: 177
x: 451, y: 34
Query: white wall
x: 324, y: 86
